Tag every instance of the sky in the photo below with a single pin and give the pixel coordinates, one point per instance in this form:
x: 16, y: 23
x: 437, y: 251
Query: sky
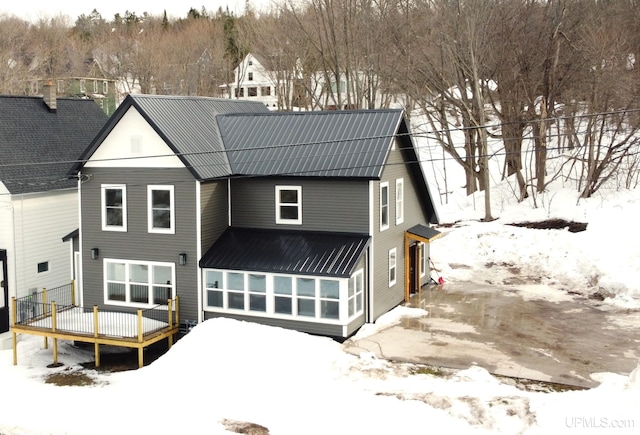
x: 225, y: 373
x: 32, y: 10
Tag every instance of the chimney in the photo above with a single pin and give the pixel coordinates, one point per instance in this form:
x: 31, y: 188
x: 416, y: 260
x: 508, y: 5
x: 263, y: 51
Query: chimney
x: 49, y: 96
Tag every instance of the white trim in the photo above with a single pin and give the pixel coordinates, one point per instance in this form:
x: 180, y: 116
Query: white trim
x: 423, y: 259
x: 103, y: 189
x: 384, y: 226
x: 127, y: 282
x: 297, y: 204
x: 172, y: 209
x: 199, y: 249
x: 399, y: 201
x: 393, y: 265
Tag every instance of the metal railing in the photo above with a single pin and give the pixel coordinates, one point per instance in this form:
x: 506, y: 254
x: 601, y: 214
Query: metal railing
x: 42, y: 310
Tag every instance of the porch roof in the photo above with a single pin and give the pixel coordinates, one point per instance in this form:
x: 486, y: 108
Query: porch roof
x: 424, y: 232
x: 288, y: 252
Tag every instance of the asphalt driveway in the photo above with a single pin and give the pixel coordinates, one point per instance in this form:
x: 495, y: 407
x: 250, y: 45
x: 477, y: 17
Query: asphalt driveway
x: 497, y: 328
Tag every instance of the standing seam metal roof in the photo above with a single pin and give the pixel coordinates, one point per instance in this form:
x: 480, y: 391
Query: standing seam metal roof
x: 329, y: 144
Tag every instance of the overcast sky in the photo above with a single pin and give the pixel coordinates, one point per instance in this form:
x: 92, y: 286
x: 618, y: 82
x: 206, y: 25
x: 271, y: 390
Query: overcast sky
x: 34, y: 9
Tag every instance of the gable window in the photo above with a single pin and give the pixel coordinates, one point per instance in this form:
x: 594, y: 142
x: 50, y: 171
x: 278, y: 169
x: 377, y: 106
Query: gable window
x: 161, y: 210
x: 399, y: 201
x: 114, y: 207
x: 138, y: 283
x: 289, y: 205
x: 384, y: 206
x: 250, y: 76
x: 392, y: 267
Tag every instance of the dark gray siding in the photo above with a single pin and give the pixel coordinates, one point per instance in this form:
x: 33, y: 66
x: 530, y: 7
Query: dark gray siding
x: 137, y: 243
x: 327, y: 204
x: 215, y: 216
x: 385, y: 297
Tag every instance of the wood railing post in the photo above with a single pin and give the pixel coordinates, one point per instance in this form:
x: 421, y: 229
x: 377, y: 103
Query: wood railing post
x: 140, y: 339
x: 54, y: 326
x: 14, y: 312
x: 96, y: 346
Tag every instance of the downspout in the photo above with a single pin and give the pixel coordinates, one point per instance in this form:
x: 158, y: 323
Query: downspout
x: 199, y: 252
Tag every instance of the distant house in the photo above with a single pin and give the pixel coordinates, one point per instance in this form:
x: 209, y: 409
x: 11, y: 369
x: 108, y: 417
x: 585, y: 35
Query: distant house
x: 257, y: 78
x: 39, y: 139
x: 314, y: 221
x: 105, y: 92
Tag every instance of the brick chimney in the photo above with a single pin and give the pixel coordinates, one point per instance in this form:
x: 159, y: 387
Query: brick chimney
x: 50, y: 96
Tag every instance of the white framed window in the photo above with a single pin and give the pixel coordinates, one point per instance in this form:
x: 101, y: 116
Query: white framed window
x: 160, y: 209
x: 105, y: 87
x: 384, y: 206
x: 355, y: 293
x: 308, y: 298
x: 289, y: 205
x: 250, y: 78
x: 423, y: 259
x: 399, y: 201
x: 392, y: 267
x: 95, y: 86
x: 138, y: 283
x: 114, y: 207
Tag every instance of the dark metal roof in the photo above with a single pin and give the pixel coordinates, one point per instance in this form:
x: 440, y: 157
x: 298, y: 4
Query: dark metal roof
x: 329, y: 144
x: 424, y: 232
x: 38, y: 145
x: 72, y: 235
x: 187, y: 125
x: 290, y: 252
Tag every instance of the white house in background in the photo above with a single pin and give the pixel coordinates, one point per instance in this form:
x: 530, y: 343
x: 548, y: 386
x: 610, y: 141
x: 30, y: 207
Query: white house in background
x: 253, y: 81
x: 39, y: 138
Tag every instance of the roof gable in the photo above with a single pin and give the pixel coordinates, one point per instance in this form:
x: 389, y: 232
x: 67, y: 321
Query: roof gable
x: 38, y: 145
x: 186, y: 124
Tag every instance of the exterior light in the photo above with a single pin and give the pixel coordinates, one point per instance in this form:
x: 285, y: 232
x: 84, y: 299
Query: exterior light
x: 95, y: 252
x: 183, y: 259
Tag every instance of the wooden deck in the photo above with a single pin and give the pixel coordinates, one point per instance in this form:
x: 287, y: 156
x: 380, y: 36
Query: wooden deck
x: 100, y: 327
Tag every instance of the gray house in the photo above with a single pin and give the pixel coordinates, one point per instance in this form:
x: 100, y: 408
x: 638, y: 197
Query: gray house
x: 314, y: 221
x: 39, y: 138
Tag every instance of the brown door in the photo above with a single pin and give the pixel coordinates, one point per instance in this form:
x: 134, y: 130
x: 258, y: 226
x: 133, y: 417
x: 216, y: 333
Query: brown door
x: 414, y: 268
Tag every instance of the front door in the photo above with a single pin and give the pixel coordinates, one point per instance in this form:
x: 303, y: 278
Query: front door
x: 4, y: 293
x: 414, y: 268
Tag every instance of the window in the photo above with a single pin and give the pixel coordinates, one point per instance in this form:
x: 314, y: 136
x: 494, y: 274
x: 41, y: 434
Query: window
x: 43, y: 267
x: 138, y: 283
x: 265, y: 91
x: 289, y: 205
x: 114, y: 207
x: 306, y: 298
x: 60, y: 86
x: 82, y: 85
x: 250, y: 62
x: 399, y: 201
x: 392, y: 267
x: 160, y: 204
x: 355, y: 292
x: 239, y: 92
x: 250, y: 77
x: 423, y: 259
x: 95, y: 86
x: 384, y: 206
x: 105, y: 87
x: 252, y: 92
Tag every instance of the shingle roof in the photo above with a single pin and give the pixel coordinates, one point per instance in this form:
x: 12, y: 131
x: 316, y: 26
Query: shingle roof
x: 327, y: 144
x: 289, y: 252
x: 38, y: 146
x: 187, y: 125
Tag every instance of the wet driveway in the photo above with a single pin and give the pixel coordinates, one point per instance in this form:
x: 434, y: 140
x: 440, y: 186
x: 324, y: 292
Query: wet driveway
x: 511, y: 334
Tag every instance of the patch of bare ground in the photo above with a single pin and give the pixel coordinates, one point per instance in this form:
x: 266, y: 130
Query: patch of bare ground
x: 70, y: 378
x: 244, y: 427
x: 553, y: 224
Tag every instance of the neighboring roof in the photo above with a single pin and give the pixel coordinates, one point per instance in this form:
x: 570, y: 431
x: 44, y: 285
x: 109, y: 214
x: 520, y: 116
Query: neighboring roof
x: 424, y: 232
x: 289, y: 252
x: 187, y: 125
x: 72, y: 235
x: 38, y: 145
x: 329, y: 144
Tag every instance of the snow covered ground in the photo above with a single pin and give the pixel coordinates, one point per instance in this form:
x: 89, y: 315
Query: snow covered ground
x: 225, y: 374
